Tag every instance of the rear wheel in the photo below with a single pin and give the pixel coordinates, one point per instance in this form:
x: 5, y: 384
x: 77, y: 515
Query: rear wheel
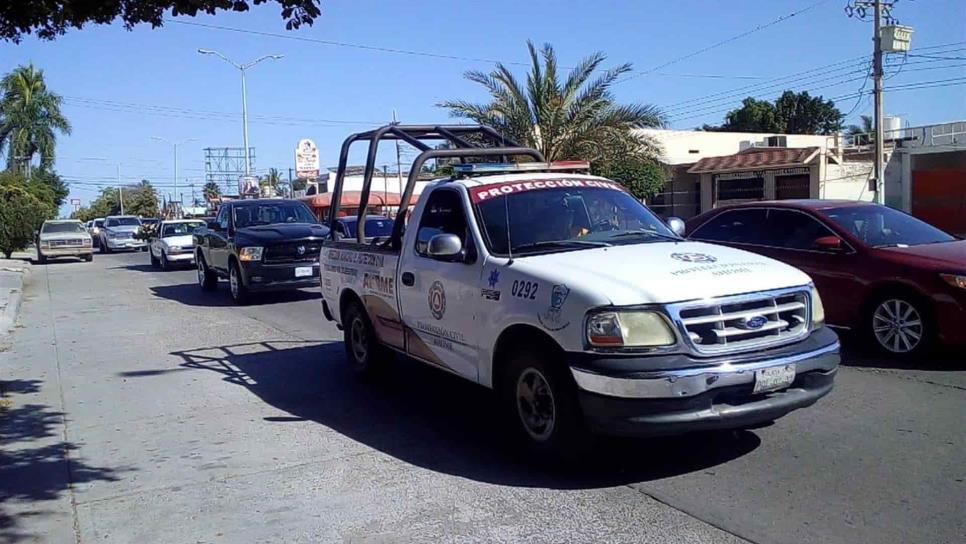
x: 899, y: 325
x: 239, y: 293
x: 363, y: 350
x: 206, y: 276
x: 541, y: 399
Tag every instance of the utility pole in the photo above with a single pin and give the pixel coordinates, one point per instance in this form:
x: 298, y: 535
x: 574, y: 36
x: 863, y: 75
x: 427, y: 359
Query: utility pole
x: 120, y: 190
x: 175, y: 145
x: 877, y: 90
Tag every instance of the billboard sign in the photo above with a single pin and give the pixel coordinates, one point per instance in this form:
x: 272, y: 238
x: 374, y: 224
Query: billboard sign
x: 247, y: 186
x: 306, y: 159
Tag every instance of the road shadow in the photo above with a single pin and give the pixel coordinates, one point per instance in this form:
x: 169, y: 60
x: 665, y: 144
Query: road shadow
x: 440, y: 422
x: 34, y: 464
x: 856, y: 352
x: 191, y: 294
x: 146, y: 267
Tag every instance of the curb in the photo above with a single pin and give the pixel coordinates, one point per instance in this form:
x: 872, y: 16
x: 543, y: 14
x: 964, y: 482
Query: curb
x: 16, y: 274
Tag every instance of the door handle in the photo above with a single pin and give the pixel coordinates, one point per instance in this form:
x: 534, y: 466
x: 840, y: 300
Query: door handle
x: 408, y: 279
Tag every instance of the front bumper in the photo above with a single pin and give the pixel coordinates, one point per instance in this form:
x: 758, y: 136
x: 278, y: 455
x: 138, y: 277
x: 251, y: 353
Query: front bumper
x: 279, y: 276
x: 125, y: 243
x: 182, y: 257
x: 76, y: 251
x: 708, y: 394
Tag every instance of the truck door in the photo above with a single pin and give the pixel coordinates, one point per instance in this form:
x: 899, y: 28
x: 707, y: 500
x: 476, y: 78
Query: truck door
x: 439, y: 299
x: 218, y: 240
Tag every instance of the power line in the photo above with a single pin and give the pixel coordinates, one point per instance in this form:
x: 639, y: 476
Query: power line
x: 723, y: 42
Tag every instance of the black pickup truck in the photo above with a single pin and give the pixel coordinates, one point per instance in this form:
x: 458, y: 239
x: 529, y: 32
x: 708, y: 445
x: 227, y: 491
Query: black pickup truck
x: 260, y: 245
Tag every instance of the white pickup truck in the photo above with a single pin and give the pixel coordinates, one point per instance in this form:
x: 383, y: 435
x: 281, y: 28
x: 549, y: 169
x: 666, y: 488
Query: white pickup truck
x: 581, y: 308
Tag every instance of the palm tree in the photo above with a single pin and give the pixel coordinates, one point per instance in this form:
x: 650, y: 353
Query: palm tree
x: 271, y: 181
x: 574, y: 119
x: 211, y: 190
x: 30, y: 117
x: 863, y: 134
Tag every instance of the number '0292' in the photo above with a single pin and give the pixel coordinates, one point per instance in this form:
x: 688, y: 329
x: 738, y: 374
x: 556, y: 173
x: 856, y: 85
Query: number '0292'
x: 524, y: 289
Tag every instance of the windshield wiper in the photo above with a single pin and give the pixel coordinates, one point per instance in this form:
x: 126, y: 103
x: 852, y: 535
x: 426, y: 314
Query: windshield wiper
x: 560, y: 243
x: 630, y: 233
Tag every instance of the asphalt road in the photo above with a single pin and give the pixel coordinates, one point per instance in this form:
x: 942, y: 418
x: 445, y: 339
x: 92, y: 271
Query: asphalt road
x: 138, y: 409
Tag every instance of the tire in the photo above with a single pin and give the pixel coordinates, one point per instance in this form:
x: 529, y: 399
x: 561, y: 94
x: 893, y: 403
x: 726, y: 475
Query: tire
x: 154, y: 260
x: 41, y: 258
x: 236, y: 284
x: 365, y: 354
x: 89, y: 257
x: 105, y: 248
x: 899, y: 325
x: 540, y: 400
x: 207, y: 279
x: 165, y: 263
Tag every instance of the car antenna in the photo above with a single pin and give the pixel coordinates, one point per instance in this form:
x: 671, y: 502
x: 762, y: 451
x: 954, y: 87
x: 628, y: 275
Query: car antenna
x: 509, y: 241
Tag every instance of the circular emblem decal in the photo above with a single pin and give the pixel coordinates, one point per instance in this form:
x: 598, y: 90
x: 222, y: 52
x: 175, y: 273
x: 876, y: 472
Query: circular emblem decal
x: 693, y: 257
x: 437, y: 300
x: 754, y: 322
x: 300, y: 250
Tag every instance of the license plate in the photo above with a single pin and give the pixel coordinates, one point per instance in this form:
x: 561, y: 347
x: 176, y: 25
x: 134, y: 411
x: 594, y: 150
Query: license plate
x: 303, y: 271
x: 771, y: 379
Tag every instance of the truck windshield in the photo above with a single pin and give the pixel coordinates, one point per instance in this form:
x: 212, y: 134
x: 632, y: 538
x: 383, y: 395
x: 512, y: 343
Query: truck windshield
x: 533, y: 218
x: 50, y: 228
x: 270, y: 213
x: 123, y: 222
x: 180, y: 229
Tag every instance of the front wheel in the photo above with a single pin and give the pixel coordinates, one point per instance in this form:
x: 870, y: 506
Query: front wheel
x: 899, y: 325
x: 540, y: 398
x: 165, y: 263
x: 89, y: 257
x: 154, y: 260
x: 363, y: 350
x: 236, y: 284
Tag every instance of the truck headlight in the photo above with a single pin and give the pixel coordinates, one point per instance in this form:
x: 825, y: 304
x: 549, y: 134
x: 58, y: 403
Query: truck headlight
x: 628, y: 328
x: 818, y: 310
x: 174, y: 249
x: 253, y: 253
x: 955, y: 280
x: 110, y: 234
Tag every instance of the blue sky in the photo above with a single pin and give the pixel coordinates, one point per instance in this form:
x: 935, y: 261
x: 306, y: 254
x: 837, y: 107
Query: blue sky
x: 124, y: 87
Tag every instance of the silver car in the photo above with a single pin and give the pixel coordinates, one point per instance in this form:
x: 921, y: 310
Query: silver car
x: 119, y: 233
x: 173, y: 243
x: 64, y: 238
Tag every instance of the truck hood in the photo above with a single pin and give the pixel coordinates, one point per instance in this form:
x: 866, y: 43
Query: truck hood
x: 662, y: 272
x: 183, y: 240
x: 282, y: 232
x: 46, y: 237
x: 122, y: 228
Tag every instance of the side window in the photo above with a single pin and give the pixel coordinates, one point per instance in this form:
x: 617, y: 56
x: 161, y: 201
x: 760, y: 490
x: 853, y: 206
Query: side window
x: 795, y: 230
x: 443, y: 214
x: 223, y: 217
x: 738, y: 226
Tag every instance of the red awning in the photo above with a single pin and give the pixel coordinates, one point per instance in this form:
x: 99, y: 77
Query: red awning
x: 351, y: 199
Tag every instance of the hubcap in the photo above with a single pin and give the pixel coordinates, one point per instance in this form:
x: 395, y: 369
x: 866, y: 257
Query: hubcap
x: 897, y: 326
x: 535, y: 404
x: 357, y: 336
x: 201, y: 272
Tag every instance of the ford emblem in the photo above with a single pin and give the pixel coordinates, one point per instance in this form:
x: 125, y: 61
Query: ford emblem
x: 754, y: 322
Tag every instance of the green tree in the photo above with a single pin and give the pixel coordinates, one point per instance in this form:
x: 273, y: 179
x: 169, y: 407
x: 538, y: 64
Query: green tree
x: 30, y: 117
x: 863, y: 134
x: 141, y: 200
x: 42, y: 185
x: 791, y: 113
x: 752, y: 116
x: 52, y: 19
x: 211, y: 190
x: 269, y: 183
x: 20, y: 215
x: 577, y: 118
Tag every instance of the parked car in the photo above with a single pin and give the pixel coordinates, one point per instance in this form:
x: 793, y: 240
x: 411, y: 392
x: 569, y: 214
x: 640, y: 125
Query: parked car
x: 377, y: 227
x: 64, y: 238
x: 173, y: 242
x: 897, y: 280
x: 259, y: 245
x: 578, y: 305
x: 119, y: 233
x: 95, y: 230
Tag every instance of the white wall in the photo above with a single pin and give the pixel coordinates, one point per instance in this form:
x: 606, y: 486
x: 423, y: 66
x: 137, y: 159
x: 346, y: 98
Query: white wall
x: 391, y: 185
x: 678, y: 144
x: 847, y: 181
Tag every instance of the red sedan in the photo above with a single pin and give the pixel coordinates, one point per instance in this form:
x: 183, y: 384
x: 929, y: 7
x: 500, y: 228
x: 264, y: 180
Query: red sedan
x: 899, y: 281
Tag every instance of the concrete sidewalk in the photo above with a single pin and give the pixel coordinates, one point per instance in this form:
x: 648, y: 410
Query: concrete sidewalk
x: 14, y: 274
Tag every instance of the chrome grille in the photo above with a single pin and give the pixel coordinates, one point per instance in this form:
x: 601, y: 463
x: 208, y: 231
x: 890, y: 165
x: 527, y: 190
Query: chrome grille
x: 74, y: 242
x: 743, y: 322
x: 289, y: 252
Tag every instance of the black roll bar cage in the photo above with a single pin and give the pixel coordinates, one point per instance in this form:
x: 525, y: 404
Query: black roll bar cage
x: 415, y: 135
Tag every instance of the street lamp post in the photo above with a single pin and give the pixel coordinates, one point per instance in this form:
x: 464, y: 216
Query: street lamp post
x: 175, y: 145
x: 242, y: 68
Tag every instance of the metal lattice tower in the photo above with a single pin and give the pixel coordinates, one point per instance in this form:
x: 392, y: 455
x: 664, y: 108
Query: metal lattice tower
x: 224, y: 165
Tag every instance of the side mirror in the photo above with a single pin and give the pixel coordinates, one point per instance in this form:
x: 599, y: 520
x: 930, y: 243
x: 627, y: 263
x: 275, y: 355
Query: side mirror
x: 828, y: 243
x: 445, y: 247
x: 676, y: 224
